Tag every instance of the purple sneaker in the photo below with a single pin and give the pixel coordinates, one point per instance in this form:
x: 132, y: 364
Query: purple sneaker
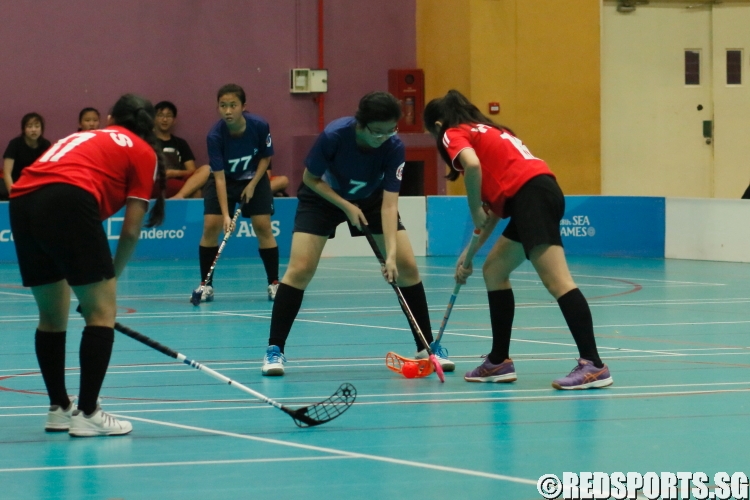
x: 584, y: 376
x: 488, y: 372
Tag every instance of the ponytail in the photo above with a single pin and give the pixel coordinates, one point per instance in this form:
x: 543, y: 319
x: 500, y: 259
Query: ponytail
x: 452, y: 110
x: 136, y: 114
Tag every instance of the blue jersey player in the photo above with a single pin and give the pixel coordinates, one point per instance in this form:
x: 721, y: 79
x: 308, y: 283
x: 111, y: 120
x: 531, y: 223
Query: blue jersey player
x: 239, y: 151
x: 353, y: 174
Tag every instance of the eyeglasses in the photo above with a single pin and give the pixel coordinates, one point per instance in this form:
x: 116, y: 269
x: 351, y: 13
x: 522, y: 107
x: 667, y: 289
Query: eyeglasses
x: 382, y: 135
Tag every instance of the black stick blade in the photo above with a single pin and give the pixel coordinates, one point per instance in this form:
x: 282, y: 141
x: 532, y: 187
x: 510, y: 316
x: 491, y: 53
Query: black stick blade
x: 326, y: 410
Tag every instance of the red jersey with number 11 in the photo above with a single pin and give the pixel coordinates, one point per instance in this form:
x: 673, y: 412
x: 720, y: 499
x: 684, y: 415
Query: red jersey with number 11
x: 506, y: 163
x: 113, y: 164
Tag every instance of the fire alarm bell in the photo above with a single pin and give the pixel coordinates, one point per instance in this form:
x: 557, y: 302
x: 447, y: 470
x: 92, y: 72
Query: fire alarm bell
x: 494, y: 108
x: 407, y: 85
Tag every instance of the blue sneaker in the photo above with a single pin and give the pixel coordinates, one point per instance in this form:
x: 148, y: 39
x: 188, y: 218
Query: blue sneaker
x: 207, y: 295
x: 584, y: 376
x: 441, y: 353
x: 489, y: 372
x: 273, y: 361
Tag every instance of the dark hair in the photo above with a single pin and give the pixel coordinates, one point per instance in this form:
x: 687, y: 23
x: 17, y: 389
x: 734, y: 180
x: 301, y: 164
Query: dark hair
x: 166, y: 105
x: 136, y: 114
x: 83, y: 112
x: 453, y: 110
x: 231, y: 88
x: 377, y: 107
x: 29, y: 117
x: 86, y: 110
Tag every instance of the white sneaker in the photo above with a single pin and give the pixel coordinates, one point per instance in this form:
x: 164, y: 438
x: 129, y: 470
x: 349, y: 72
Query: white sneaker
x: 58, y: 418
x: 206, y: 296
x: 273, y: 361
x: 272, y: 289
x: 100, y: 423
x: 441, y: 353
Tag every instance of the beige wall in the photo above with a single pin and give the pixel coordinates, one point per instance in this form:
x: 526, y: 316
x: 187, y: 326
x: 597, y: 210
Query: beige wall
x: 538, y: 58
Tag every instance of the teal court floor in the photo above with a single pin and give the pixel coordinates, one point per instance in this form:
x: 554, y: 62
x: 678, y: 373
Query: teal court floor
x: 674, y: 333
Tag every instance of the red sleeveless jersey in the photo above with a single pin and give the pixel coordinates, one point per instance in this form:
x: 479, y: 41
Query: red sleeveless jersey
x: 506, y: 163
x: 113, y: 164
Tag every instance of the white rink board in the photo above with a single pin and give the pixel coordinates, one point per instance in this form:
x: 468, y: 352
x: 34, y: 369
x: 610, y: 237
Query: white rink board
x: 707, y: 229
x: 414, y: 217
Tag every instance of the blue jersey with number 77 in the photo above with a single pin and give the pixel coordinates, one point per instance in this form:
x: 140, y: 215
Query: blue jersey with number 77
x: 352, y: 171
x: 238, y: 157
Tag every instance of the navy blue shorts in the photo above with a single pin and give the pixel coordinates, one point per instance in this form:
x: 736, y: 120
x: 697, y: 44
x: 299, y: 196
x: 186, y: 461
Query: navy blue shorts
x: 260, y: 204
x: 316, y: 215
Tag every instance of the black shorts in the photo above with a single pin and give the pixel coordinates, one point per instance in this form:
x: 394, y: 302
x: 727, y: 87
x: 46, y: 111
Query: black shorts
x: 260, y: 204
x: 58, y: 235
x: 316, y: 215
x: 535, y: 213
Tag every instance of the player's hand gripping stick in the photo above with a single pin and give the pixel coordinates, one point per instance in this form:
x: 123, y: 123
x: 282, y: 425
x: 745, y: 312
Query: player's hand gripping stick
x: 195, y: 299
x: 470, y: 252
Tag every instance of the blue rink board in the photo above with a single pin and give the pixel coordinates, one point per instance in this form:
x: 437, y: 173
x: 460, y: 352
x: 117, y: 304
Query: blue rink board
x: 611, y: 226
x: 614, y: 226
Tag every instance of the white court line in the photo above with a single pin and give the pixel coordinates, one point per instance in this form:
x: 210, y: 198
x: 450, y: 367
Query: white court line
x: 449, y: 333
x: 550, y: 395
x: 364, y: 309
x: 505, y: 396
x: 173, y: 464
x: 469, y: 359
x: 18, y: 294
x: 575, y: 275
x: 343, y: 453
x: 627, y: 325
x: 115, y: 403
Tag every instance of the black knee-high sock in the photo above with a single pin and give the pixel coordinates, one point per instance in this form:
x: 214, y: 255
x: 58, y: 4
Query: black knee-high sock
x: 577, y: 314
x: 206, y: 256
x: 270, y: 258
x: 50, y: 352
x: 285, y: 309
x: 96, y: 349
x: 502, y: 310
x: 417, y: 301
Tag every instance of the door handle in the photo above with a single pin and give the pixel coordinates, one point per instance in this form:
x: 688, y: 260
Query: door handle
x: 708, y: 130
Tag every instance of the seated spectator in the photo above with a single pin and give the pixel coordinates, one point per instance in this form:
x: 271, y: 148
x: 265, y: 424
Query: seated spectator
x: 279, y: 183
x: 88, y: 119
x: 23, y: 150
x: 178, y: 156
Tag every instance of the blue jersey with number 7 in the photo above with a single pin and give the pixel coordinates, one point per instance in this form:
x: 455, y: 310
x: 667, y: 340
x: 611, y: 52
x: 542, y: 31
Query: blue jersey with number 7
x: 238, y: 157
x: 352, y: 171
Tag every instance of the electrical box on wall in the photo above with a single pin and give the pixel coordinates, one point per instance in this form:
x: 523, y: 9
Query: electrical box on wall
x: 408, y: 87
x: 306, y: 80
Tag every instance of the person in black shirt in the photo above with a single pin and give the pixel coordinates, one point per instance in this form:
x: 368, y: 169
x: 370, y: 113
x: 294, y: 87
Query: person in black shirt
x: 179, y: 157
x: 23, y: 150
x: 88, y: 119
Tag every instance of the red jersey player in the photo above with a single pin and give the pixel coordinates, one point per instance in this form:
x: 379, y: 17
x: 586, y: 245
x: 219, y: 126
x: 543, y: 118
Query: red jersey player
x: 502, y: 176
x: 56, y: 209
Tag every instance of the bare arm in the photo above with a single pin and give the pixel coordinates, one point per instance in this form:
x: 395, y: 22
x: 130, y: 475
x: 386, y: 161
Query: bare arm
x: 389, y: 219
x: 189, y: 169
x: 194, y: 183
x: 221, y: 193
x: 7, y: 171
x: 473, y: 181
x: 135, y: 210
x: 463, y: 273
x: 355, y: 215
